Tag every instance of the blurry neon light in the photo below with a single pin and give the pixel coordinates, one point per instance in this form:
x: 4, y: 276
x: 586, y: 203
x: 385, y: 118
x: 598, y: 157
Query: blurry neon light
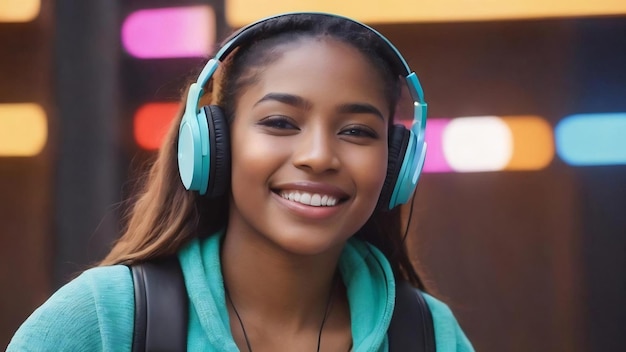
x: 151, y: 123
x: 436, y: 158
x: 533, y: 142
x: 489, y: 143
x: 592, y: 139
x: 474, y: 144
x: 170, y: 32
x: 239, y: 12
x: 19, y: 10
x: 23, y: 129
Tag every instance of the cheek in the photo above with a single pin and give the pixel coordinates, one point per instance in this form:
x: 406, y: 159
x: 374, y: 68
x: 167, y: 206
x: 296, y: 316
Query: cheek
x: 245, y: 161
x: 372, y: 170
x: 253, y: 158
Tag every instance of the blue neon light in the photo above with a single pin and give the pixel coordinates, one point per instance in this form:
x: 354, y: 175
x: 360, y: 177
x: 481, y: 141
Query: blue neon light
x: 592, y: 139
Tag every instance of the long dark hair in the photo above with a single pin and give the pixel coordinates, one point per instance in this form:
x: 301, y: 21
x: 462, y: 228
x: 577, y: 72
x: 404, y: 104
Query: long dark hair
x: 165, y: 215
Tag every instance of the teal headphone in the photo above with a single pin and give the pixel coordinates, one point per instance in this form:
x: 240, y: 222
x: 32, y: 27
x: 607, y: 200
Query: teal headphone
x: 204, y: 145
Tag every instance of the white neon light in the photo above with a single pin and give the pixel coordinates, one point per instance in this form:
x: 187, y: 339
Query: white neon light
x: 474, y: 144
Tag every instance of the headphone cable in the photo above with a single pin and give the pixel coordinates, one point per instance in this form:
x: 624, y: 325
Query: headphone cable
x: 408, y: 223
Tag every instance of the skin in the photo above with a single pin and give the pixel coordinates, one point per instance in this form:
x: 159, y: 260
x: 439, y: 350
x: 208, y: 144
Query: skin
x: 315, y: 121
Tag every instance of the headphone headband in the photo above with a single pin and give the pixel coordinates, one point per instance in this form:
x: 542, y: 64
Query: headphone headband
x: 242, y: 35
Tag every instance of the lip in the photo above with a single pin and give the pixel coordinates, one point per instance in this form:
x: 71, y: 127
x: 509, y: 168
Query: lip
x: 306, y: 211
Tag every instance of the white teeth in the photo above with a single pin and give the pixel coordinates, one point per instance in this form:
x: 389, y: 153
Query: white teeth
x: 305, y: 198
x: 316, y: 200
x: 312, y: 199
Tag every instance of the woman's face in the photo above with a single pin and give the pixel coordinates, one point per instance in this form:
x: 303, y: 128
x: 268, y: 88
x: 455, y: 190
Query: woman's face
x: 309, y: 148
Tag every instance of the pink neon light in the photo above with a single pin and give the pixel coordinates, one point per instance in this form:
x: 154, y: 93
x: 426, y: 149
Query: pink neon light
x: 435, y: 158
x: 170, y: 32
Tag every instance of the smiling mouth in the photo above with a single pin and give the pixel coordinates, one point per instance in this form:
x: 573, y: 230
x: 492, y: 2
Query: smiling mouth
x: 310, y: 199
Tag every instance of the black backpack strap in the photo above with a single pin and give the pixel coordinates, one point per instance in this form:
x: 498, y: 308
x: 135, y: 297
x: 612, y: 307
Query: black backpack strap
x: 411, y: 327
x: 161, y: 306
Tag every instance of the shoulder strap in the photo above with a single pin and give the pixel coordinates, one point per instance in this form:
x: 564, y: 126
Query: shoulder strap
x: 161, y: 306
x: 411, y: 327
x: 161, y: 309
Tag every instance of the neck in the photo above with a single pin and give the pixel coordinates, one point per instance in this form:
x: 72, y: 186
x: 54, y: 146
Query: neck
x: 274, y: 286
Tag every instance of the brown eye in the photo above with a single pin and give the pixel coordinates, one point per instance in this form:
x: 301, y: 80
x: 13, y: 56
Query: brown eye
x: 359, y: 131
x: 278, y: 122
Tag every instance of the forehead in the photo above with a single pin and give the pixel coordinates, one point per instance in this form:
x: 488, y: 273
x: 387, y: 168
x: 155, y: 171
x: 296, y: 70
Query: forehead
x: 321, y: 68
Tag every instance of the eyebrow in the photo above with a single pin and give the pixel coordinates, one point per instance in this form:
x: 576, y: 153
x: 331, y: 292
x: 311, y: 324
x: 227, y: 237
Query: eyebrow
x: 288, y: 99
x: 299, y: 102
x: 360, y: 108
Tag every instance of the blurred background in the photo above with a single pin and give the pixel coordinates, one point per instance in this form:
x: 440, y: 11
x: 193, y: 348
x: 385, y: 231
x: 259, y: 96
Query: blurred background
x: 520, y: 217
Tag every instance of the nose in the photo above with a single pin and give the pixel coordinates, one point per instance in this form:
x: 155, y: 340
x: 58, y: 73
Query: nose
x: 315, y: 151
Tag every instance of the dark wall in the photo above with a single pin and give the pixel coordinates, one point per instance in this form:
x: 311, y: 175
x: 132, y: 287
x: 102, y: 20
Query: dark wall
x: 26, y: 183
x: 532, y: 260
x: 600, y: 59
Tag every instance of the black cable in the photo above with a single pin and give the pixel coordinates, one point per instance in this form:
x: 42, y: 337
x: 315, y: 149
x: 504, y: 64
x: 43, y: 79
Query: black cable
x: 408, y: 223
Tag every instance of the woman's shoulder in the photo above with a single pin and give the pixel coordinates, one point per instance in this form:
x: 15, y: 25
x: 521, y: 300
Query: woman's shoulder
x: 94, y: 311
x: 448, y: 333
x: 106, y: 280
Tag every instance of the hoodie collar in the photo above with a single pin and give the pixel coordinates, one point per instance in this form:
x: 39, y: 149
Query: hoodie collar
x: 365, y: 271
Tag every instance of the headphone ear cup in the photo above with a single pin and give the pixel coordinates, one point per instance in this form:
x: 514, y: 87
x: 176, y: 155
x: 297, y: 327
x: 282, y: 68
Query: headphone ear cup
x: 219, y: 142
x: 398, y: 141
x: 193, y: 158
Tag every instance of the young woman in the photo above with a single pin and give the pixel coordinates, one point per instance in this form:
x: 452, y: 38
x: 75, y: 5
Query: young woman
x: 286, y: 222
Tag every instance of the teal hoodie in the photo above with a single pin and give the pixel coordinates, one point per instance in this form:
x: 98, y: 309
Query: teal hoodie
x: 95, y: 311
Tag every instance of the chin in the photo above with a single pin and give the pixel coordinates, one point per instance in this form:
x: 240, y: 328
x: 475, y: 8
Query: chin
x: 306, y: 243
